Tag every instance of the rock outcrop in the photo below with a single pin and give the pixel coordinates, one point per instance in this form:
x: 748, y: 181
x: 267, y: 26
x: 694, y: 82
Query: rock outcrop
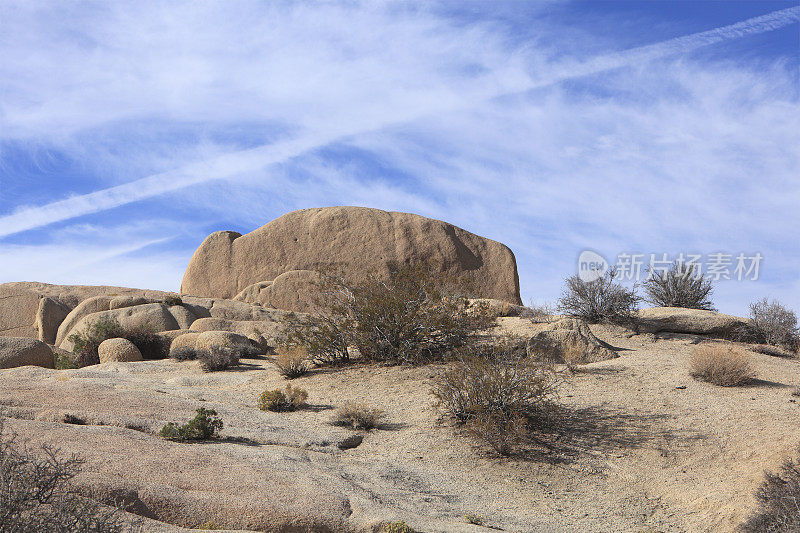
x: 118, y: 350
x: 692, y: 321
x: 21, y: 351
x: 155, y: 317
x: 568, y: 341
x: 355, y: 239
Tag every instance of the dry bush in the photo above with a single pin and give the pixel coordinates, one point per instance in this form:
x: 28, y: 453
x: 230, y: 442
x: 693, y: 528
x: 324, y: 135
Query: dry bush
x: 36, y: 495
x: 779, y: 502
x: 217, y: 358
x: 601, y: 300
x: 413, y: 317
x: 772, y: 323
x: 680, y: 286
x: 278, y: 400
x: 183, y: 353
x: 86, y: 343
x: 172, y: 299
x: 204, y: 426
x: 723, y: 365
x: 497, y: 394
x: 775, y: 351
x: 539, y: 313
x: 292, y: 361
x: 358, y: 416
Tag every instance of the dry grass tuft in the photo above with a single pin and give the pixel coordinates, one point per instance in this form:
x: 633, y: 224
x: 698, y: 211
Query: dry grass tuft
x: 358, y: 416
x: 723, y: 365
x: 292, y: 361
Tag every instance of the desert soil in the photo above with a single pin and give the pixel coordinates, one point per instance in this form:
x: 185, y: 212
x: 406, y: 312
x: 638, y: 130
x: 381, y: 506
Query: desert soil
x: 643, y: 447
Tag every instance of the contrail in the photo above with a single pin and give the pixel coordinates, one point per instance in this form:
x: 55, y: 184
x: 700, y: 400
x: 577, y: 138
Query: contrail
x: 239, y: 162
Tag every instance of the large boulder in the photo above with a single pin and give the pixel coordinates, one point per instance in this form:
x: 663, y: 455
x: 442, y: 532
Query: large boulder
x: 155, y: 317
x: 568, y: 341
x: 291, y: 290
x: 49, y: 317
x: 209, y: 340
x: 264, y: 332
x: 692, y: 321
x: 357, y: 240
x: 118, y: 350
x: 21, y: 351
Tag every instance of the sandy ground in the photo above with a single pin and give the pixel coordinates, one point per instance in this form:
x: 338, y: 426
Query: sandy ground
x: 643, y: 447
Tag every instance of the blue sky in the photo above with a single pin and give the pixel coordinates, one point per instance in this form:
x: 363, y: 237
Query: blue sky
x: 131, y: 130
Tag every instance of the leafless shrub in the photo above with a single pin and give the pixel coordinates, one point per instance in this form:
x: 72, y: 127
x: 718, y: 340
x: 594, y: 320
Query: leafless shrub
x: 779, y: 502
x: 358, y: 416
x: 539, y: 313
x: 680, y: 286
x: 497, y: 394
x: 36, y: 495
x: 292, y: 361
x: 601, y: 300
x: 414, y: 316
x: 217, y: 358
x: 772, y: 323
x: 775, y: 351
x: 726, y: 365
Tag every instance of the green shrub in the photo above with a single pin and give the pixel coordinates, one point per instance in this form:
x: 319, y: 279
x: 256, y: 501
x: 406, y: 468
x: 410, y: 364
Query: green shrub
x: 36, y: 495
x: 680, y: 286
x: 779, y: 502
x: 358, y: 416
x: 204, y: 426
x: 63, y: 361
x: 413, y: 317
x: 497, y: 394
x: 601, y: 300
x: 278, y: 400
x: 470, y: 518
x: 398, y: 527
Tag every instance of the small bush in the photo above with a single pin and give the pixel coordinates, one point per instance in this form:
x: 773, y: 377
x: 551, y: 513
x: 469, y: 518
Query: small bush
x: 398, y: 527
x: 497, y: 394
x: 36, y: 495
x: 726, y: 366
x: 63, y: 361
x: 150, y: 344
x: 172, y: 299
x: 772, y: 323
x: 680, y: 286
x: 292, y: 361
x: 217, y: 358
x: 779, y: 502
x: 184, y: 353
x: 601, y: 300
x: 358, y: 416
x: 204, y: 426
x: 775, y: 351
x: 278, y: 400
x: 538, y: 313
x: 474, y: 519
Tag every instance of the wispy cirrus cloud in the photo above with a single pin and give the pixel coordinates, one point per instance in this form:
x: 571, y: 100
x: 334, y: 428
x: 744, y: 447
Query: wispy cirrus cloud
x: 235, y: 118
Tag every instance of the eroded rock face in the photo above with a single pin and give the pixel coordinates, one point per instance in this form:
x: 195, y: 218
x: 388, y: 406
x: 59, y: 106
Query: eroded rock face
x: 355, y: 239
x: 118, y: 350
x: 692, y: 321
x: 20, y: 351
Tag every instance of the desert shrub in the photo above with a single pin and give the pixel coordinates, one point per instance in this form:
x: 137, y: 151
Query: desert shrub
x: 680, y: 286
x: 63, y: 361
x: 775, y: 351
x: 538, y: 313
x: 772, y: 323
x: 601, y: 300
x: 217, y: 358
x: 277, y: 400
x: 414, y: 316
x: 204, y: 426
x: 172, y: 299
x: 398, y: 527
x: 477, y: 520
x: 184, y: 353
x: 292, y: 361
x: 36, y: 495
x: 358, y: 416
x: 725, y: 365
x: 85, y: 343
x: 779, y: 501
x: 497, y: 394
